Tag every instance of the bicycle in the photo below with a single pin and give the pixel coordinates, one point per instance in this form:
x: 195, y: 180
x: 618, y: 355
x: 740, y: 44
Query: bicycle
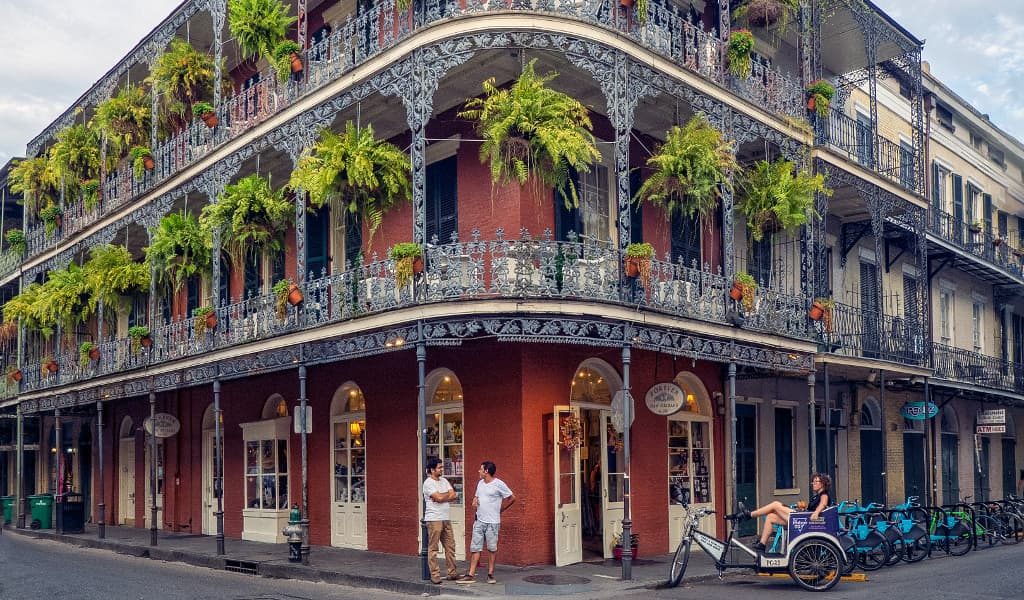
x: 872, y: 549
x: 813, y: 557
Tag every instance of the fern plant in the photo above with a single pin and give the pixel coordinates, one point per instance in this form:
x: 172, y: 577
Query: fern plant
x: 21, y: 308
x: 180, y: 249
x: 690, y: 170
x: 111, y: 274
x: 124, y: 119
x: 63, y: 300
x: 251, y: 217
x: 182, y: 76
x: 16, y: 242
x: 33, y: 178
x: 369, y: 176
x: 774, y: 193
x: 530, y: 129
x: 281, y: 58
x: 738, y: 51
x: 258, y: 26
x: 75, y: 157
x: 49, y: 215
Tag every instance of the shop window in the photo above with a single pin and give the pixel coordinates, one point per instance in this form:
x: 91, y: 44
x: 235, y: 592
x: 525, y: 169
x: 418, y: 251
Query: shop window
x: 444, y: 428
x: 689, y: 473
x: 784, y: 449
x: 588, y: 385
x: 266, y: 457
x: 349, y: 445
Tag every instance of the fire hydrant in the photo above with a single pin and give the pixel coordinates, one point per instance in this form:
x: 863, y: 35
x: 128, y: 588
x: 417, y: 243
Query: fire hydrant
x: 294, y: 533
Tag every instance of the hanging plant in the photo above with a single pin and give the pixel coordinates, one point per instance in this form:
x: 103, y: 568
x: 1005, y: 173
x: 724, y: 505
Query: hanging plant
x: 530, y: 130
x: 34, y: 179
x: 87, y: 353
x: 690, y: 170
x: 821, y: 310
x: 180, y: 248
x: 285, y: 293
x: 51, y: 217
x: 124, y: 119
x: 204, y: 318
x: 22, y: 308
x: 181, y: 76
x: 368, y: 176
x: 776, y: 196
x: 90, y: 189
x: 765, y: 13
x: 142, y: 161
x: 75, y: 158
x: 638, y: 262
x: 408, y: 259
x: 570, y: 429
x: 111, y: 275
x: 819, y: 97
x: 738, y: 52
x: 744, y: 289
x: 258, y: 26
x: 63, y: 300
x: 251, y: 217
x: 206, y: 112
x: 16, y: 242
x: 140, y: 337
x: 285, y: 59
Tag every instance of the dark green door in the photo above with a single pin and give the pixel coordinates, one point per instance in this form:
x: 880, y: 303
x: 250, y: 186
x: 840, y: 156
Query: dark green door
x: 913, y: 464
x: 871, y: 466
x: 746, y: 463
x: 981, y: 478
x: 1009, y: 466
x: 950, y: 469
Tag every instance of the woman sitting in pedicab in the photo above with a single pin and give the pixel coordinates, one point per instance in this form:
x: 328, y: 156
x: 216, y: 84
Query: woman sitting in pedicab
x: 777, y: 513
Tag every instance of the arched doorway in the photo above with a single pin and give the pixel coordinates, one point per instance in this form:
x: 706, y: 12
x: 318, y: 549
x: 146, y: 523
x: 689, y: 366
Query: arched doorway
x: 1010, y: 456
x: 126, y: 473
x: 348, y: 467
x: 589, y: 472
x: 209, y: 472
x: 871, y: 466
x: 690, y: 459
x: 913, y: 458
x: 445, y: 437
x: 950, y: 452
x: 267, y: 473
x: 981, y: 462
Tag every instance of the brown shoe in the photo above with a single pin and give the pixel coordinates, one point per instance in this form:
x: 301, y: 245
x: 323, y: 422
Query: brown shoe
x: 467, y: 578
x: 453, y: 578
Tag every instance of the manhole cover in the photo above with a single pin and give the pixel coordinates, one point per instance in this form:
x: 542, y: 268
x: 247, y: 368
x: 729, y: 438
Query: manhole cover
x: 556, y: 580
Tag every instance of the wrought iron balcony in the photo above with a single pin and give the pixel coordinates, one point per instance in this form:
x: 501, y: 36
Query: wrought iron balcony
x: 524, y: 268
x: 977, y: 241
x: 9, y: 262
x: 958, y: 364
x: 669, y: 30
x: 856, y: 141
x: 862, y: 333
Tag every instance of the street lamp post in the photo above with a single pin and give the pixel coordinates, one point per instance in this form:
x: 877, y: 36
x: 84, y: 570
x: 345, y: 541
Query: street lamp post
x: 152, y: 468
x: 304, y: 551
x: 218, y: 465
x: 627, y: 417
x: 421, y: 413
x: 101, y: 508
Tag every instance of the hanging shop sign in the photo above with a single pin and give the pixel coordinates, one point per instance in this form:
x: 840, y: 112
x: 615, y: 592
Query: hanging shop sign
x: 919, y: 411
x: 166, y: 425
x: 982, y: 429
x: 619, y: 411
x: 665, y: 399
x: 995, y: 416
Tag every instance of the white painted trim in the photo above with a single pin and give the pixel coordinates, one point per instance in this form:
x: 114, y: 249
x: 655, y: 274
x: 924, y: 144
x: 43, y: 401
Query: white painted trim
x: 867, y: 255
x: 980, y: 298
x: 909, y: 269
x: 784, y: 403
x: 947, y: 285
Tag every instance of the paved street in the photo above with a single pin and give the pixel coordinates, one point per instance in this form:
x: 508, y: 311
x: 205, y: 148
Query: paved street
x: 993, y: 574
x: 32, y: 569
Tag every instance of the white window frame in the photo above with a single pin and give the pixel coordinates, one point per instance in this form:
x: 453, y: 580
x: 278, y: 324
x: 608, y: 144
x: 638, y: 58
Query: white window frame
x: 260, y: 431
x: 946, y: 299
x: 978, y: 322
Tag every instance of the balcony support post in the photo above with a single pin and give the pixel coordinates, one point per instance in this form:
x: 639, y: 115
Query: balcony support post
x: 885, y: 441
x: 218, y: 463
x: 153, y: 459
x: 101, y: 507
x: 871, y: 49
x: 19, y: 489
x: 829, y: 459
x: 421, y: 419
x: 218, y: 14
x: 731, y: 388
x: 813, y: 425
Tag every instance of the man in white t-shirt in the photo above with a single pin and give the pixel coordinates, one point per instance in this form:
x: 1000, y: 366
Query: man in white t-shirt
x: 438, y: 495
x: 492, y: 498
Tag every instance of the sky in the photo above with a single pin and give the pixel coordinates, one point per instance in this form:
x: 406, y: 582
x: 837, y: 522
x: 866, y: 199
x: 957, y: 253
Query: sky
x: 54, y: 50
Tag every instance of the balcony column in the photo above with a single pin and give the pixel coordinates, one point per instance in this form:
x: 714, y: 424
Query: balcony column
x: 421, y: 420
x: 724, y: 22
x: 218, y: 465
x: 218, y: 14
x: 99, y: 318
x: 101, y: 508
x: 933, y: 471
x: 878, y: 209
x: 627, y: 418
x: 59, y: 483
x: 885, y: 436
x: 811, y: 410
x: 829, y: 460
x: 19, y: 469
x: 733, y: 445
x: 295, y: 146
x: 871, y: 49
x: 151, y: 301
x: 152, y: 465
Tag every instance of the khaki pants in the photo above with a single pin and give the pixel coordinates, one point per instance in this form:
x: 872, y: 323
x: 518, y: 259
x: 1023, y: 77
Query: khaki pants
x: 440, y: 530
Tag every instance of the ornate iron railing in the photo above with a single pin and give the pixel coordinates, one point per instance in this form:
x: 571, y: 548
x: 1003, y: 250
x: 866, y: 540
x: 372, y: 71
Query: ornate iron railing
x: 974, y: 239
x: 523, y: 268
x: 852, y: 331
x: 958, y: 364
x: 856, y: 140
x: 669, y: 30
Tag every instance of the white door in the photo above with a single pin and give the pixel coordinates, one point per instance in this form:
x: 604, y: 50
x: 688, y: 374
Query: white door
x: 148, y: 502
x: 126, y: 482
x: 568, y: 514
x: 209, y: 499
x: 348, y: 509
x: 690, y: 474
x: 612, y: 497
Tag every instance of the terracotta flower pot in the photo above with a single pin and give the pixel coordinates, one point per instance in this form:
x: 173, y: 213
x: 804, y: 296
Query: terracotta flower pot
x: 294, y: 295
x: 94, y: 354
x: 149, y: 163
x: 632, y: 266
x: 626, y: 3
x: 211, y: 321
x: 210, y: 119
x: 146, y: 341
x: 736, y: 293
x: 617, y: 551
x: 52, y: 366
x: 417, y: 265
x: 296, y: 63
x: 15, y: 375
x: 811, y: 103
x: 816, y: 312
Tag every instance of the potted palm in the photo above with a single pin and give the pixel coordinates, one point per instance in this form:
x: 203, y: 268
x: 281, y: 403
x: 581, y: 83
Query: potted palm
x: 532, y: 131
x: 51, y: 217
x: 206, y: 112
x: 204, y: 318
x: 638, y: 261
x: 738, y: 53
x: 251, y: 215
x: 408, y: 259
x: 774, y: 195
x: 285, y: 293
x: 16, y: 242
x: 689, y: 171
x: 368, y: 176
x: 87, y: 353
x: 140, y: 337
x: 142, y: 161
x: 819, y: 97
x: 744, y: 289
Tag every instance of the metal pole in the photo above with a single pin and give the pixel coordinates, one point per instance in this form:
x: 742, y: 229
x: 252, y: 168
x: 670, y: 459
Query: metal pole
x: 829, y: 456
x: 627, y: 515
x: 934, y: 475
x: 19, y: 497
x: 304, y: 549
x: 59, y: 480
x: 152, y: 468
x: 421, y: 415
x: 101, y: 525
x: 811, y: 410
x: 218, y: 476
x: 885, y: 425
x: 733, y: 442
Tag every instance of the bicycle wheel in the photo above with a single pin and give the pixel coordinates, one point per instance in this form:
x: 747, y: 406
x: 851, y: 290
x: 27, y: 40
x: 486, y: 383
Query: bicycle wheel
x: 815, y: 565
x: 958, y: 544
x: 917, y: 548
x: 988, y: 530
x: 1013, y: 528
x: 677, y: 568
x: 874, y: 557
x: 896, y: 551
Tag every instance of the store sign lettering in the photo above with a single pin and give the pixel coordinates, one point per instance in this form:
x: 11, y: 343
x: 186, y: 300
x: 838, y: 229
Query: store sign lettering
x: 665, y: 399
x: 166, y: 425
x: 919, y: 411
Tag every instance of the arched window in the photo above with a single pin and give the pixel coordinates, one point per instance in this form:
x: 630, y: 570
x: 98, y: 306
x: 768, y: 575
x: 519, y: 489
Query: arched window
x: 444, y: 424
x: 127, y: 428
x: 348, y: 420
x: 949, y: 421
x: 275, y: 407
x: 266, y: 459
x: 689, y: 444
x: 870, y: 414
x: 594, y: 382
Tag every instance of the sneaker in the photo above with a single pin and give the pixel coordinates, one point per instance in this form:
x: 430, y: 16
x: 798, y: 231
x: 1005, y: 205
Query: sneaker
x: 435, y: 581
x: 467, y: 578
x: 491, y: 579
x: 452, y: 578
x: 758, y: 546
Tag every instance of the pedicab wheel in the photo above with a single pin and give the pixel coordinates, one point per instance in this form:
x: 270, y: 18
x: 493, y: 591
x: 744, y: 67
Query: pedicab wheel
x: 917, y: 549
x: 816, y: 565
x: 875, y: 557
x: 677, y: 569
x: 958, y: 545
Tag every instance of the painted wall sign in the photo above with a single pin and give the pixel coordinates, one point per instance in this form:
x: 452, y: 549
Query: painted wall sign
x: 990, y: 429
x: 665, y: 399
x: 166, y: 425
x: 995, y: 416
x: 919, y: 411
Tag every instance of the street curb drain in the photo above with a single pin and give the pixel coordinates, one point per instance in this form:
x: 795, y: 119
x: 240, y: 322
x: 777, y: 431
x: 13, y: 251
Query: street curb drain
x: 242, y: 566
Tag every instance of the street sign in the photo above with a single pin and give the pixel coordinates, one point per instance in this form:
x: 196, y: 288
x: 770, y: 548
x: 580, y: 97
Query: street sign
x: 919, y: 411
x: 166, y: 425
x: 618, y: 411
x: 297, y: 420
x: 995, y: 416
x: 990, y: 429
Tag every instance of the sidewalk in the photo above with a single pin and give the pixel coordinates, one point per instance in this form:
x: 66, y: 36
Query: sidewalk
x: 390, y: 572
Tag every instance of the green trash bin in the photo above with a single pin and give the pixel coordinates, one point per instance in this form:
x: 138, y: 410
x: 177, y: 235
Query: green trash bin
x: 41, y: 507
x: 8, y: 504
